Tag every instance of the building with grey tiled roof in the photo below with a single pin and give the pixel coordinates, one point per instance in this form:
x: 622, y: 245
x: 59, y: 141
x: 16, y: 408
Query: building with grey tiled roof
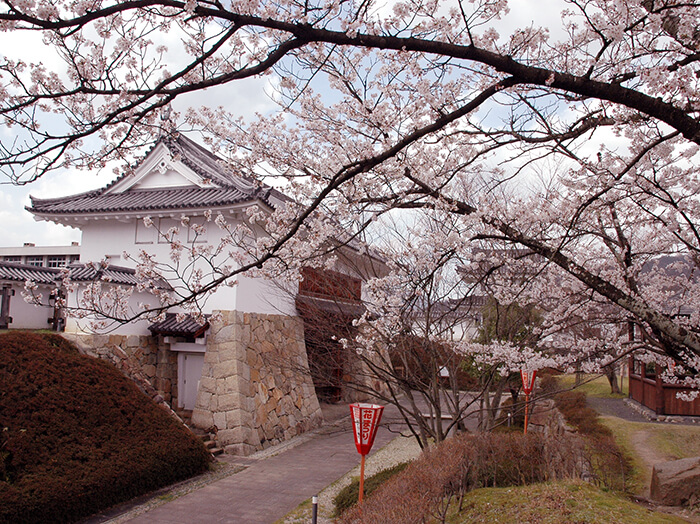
x: 177, y: 175
x: 242, y: 366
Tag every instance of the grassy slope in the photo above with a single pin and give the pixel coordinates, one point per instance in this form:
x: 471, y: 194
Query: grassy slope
x: 553, y: 503
x: 574, y: 502
x: 667, y: 441
x: 593, y: 385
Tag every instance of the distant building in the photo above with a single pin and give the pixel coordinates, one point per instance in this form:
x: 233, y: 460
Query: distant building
x: 41, y: 256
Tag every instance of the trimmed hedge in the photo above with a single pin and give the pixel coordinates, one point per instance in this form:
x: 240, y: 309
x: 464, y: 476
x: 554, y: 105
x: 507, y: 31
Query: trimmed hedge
x: 77, y: 436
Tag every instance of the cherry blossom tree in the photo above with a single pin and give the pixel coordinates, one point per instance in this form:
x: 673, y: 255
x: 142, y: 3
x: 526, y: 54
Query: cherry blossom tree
x: 576, y: 141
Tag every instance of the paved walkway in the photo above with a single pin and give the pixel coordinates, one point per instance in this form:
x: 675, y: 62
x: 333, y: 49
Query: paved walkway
x: 634, y: 412
x: 615, y: 407
x: 271, y: 485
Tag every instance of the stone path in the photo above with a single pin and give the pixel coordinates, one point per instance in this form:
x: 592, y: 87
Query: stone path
x: 273, y: 482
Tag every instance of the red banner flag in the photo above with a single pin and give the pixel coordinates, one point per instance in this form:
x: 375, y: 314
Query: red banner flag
x: 528, y: 378
x: 365, y: 418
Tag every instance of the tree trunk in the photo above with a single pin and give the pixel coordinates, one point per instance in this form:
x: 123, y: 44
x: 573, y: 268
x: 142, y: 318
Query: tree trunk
x: 611, y: 374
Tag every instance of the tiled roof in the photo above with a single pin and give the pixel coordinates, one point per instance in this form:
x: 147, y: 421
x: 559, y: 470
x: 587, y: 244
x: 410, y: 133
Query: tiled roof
x: 141, y: 200
x: 234, y: 189
x: 310, y: 305
x: 112, y: 274
x: 186, y: 327
x: 204, y: 162
x: 23, y: 272
x: 78, y: 273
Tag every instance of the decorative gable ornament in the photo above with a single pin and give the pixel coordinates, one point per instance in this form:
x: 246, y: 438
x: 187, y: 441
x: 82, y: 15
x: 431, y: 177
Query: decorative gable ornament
x: 162, y: 168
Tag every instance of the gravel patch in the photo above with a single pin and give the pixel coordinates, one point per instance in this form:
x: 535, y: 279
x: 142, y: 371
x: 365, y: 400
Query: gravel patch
x: 401, y: 449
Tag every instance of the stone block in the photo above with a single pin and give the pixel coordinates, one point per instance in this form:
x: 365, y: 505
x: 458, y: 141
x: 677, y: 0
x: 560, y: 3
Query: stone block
x: 230, y: 351
x: 228, y: 401
x: 165, y: 357
x: 207, y: 384
x: 225, y: 369
x: 204, y: 401
x: 149, y: 370
x: 202, y: 418
x: 211, y: 355
x: 229, y: 385
x: 276, y: 395
x: 133, y: 341
x: 239, y: 418
x: 244, y: 387
x: 224, y: 334
x: 98, y: 341
x: 286, y: 405
x: 261, y: 415
x: 233, y: 436
x: 248, y: 404
x: 243, y: 371
x: 676, y: 482
x: 220, y: 420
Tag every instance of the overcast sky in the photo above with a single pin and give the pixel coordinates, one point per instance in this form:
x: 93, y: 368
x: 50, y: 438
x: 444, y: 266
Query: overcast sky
x: 244, y: 98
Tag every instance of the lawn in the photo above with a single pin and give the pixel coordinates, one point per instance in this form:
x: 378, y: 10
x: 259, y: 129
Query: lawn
x: 647, y: 442
x: 593, y: 385
x: 553, y: 503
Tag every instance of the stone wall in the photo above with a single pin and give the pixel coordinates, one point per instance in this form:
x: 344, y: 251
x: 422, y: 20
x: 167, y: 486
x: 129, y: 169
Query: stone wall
x: 150, y: 364
x: 546, y: 418
x: 255, y: 390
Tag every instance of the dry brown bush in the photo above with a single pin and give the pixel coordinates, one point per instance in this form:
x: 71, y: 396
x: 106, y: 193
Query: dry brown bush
x: 424, y: 490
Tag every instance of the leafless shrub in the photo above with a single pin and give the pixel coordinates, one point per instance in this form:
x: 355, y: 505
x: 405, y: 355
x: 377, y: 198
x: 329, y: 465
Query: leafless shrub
x: 424, y: 490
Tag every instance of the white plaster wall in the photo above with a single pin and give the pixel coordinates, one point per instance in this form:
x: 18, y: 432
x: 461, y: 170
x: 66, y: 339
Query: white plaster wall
x: 169, y: 178
x: 138, y: 327
x: 256, y: 295
x: 108, y: 237
x: 253, y: 295
x: 113, y: 237
x: 29, y: 316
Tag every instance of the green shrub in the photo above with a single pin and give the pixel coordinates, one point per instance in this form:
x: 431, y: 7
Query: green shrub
x: 349, y: 495
x: 79, y: 436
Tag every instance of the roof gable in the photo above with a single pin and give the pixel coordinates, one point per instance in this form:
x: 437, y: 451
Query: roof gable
x: 161, y: 169
x: 177, y: 174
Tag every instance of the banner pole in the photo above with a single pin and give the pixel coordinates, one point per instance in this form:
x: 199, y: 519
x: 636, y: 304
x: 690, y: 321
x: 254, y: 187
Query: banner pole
x: 527, y: 402
x: 362, y: 479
